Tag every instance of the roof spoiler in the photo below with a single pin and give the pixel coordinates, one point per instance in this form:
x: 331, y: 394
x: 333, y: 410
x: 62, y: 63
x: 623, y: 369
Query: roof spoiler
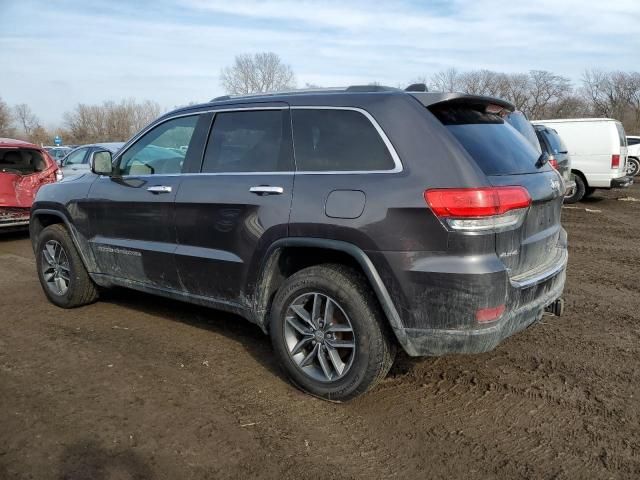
x: 429, y: 99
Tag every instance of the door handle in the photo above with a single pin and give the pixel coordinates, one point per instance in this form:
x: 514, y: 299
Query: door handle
x: 159, y: 189
x: 267, y: 190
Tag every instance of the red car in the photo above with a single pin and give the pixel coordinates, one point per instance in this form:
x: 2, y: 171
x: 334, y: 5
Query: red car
x: 24, y: 167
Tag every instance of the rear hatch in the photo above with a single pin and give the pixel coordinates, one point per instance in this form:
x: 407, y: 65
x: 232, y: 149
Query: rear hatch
x: 529, y: 245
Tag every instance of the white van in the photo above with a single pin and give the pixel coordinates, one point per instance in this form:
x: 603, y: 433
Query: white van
x: 598, y: 150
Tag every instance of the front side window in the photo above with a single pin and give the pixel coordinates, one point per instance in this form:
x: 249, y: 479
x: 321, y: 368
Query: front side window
x: 76, y: 157
x: 160, y: 151
x: 249, y: 141
x: 338, y: 140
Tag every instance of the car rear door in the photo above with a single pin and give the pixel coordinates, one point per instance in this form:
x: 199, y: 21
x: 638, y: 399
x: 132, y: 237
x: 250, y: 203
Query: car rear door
x: 131, y: 213
x: 234, y: 205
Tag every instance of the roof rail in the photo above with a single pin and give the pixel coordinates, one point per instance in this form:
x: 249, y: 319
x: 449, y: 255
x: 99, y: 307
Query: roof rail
x: 370, y: 88
x: 301, y: 91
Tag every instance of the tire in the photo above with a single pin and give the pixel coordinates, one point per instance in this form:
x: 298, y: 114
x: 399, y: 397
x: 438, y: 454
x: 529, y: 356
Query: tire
x: 588, y: 192
x: 353, y: 307
x: 61, y: 266
x: 633, y: 168
x: 579, y: 192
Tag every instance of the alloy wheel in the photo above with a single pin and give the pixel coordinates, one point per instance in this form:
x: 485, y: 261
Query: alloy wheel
x: 55, y: 268
x: 319, y: 337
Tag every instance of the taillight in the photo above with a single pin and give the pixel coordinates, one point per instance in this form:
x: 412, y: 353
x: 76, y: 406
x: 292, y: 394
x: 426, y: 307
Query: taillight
x: 479, y: 209
x: 615, y: 161
x: 486, y: 315
x: 553, y: 162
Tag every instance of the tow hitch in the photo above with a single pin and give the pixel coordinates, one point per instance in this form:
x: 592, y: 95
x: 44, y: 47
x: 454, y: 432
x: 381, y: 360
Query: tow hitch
x: 555, y: 308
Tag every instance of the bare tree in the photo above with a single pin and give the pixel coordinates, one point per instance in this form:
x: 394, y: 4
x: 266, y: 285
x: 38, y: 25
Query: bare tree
x: 6, y: 120
x: 614, y: 94
x: 26, y: 119
x: 262, y: 72
x: 110, y: 121
x: 545, y: 89
x: 446, y: 81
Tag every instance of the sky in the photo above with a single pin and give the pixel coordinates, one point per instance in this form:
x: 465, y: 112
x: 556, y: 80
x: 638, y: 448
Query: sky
x: 57, y: 53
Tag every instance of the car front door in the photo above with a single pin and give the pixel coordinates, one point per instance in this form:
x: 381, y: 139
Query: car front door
x: 132, y: 211
x: 237, y: 204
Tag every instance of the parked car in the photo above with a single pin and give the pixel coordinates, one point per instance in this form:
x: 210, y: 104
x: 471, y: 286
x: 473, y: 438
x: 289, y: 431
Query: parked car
x: 559, y: 158
x: 24, y: 168
x: 77, y: 162
x: 598, y: 150
x: 58, y: 153
x: 519, y: 121
x: 412, y: 219
x: 633, y: 152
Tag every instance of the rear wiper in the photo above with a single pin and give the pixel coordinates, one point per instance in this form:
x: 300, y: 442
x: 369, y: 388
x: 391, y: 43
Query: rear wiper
x: 542, y: 159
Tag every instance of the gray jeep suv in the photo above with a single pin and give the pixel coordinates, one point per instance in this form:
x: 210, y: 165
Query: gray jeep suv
x: 345, y: 223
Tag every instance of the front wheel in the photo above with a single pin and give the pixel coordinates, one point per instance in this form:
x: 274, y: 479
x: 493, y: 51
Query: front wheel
x: 329, y: 333
x: 62, y: 274
x: 633, y: 166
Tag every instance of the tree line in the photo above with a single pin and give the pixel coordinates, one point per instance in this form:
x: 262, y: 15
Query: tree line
x: 538, y: 93
x: 106, y: 122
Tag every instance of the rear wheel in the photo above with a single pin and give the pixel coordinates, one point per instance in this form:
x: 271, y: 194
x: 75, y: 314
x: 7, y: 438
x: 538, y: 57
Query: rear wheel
x: 62, y: 274
x: 329, y: 333
x: 633, y: 166
x: 578, y: 192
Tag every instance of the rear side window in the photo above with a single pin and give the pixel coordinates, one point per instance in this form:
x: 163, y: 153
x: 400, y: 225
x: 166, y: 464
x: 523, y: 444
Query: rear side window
x: 555, y: 141
x: 518, y: 121
x: 338, y: 140
x: 496, y: 146
x: 249, y: 141
x: 633, y: 141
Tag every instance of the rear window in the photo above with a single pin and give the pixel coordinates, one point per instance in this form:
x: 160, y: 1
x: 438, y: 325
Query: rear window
x: 497, y: 147
x: 337, y: 140
x: 555, y: 141
x: 22, y: 161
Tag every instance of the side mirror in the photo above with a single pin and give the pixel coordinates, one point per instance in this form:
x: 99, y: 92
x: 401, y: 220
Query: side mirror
x: 101, y: 163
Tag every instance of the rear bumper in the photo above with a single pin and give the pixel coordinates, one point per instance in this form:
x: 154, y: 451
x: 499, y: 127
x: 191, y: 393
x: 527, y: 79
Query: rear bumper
x: 622, y: 182
x: 437, y: 298
x: 11, y: 218
x: 428, y: 341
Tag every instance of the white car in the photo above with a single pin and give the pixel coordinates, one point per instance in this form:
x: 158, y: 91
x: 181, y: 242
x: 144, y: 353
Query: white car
x: 598, y: 150
x: 633, y: 152
x: 79, y: 160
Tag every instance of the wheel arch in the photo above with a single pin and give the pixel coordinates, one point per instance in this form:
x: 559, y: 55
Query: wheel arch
x: 43, y: 217
x: 275, y: 269
x: 582, y: 176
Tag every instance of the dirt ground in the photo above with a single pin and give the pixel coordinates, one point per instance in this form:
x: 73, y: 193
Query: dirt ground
x: 137, y: 387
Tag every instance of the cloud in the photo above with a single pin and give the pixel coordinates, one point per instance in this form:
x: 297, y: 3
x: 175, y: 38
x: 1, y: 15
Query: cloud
x: 172, y: 51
